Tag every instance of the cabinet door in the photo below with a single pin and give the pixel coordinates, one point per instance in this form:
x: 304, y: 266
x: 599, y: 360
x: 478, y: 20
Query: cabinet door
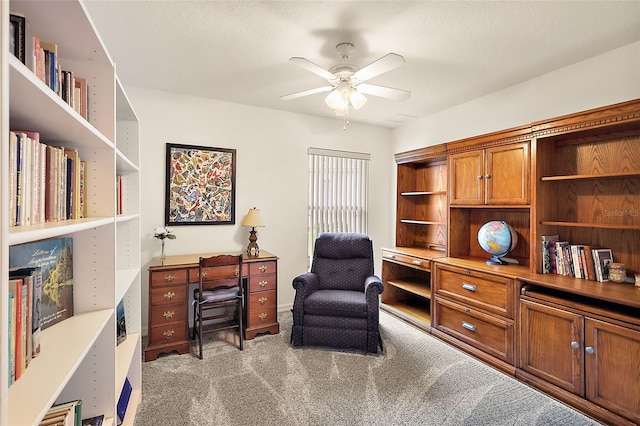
x: 551, y: 345
x: 612, y: 366
x: 507, y: 174
x: 467, y: 178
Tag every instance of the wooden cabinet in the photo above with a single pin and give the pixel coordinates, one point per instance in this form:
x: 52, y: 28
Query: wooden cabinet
x: 79, y: 356
x: 497, y: 175
x: 475, y: 310
x: 584, y: 348
x: 261, y: 299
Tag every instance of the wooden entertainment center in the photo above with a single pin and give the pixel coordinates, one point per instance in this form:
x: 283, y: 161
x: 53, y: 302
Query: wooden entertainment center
x: 577, y: 176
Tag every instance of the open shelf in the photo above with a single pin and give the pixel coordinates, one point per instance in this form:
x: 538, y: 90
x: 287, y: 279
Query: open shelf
x: 417, y: 287
x: 410, y: 310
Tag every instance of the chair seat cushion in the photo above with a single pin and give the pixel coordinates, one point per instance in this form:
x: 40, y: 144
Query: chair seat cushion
x: 217, y: 295
x: 340, y: 303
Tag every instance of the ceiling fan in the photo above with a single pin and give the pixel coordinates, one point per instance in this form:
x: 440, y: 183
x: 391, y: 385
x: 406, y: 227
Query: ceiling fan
x: 347, y: 81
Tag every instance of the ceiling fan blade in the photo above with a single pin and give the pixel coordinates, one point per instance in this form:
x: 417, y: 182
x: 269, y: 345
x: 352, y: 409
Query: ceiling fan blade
x: 382, y: 65
x: 306, y: 93
x: 384, y: 92
x: 310, y: 66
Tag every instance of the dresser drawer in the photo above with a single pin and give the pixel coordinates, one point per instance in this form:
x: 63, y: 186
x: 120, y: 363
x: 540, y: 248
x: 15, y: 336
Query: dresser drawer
x: 258, y: 317
x: 169, y: 295
x: 161, y: 315
x: 263, y: 299
x: 262, y: 283
x: 404, y: 259
x: 168, y: 333
x: 485, y: 291
x: 485, y: 332
x: 168, y: 277
x: 262, y: 268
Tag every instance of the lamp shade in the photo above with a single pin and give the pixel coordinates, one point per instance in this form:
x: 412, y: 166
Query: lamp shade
x: 335, y: 99
x: 253, y: 218
x: 357, y: 99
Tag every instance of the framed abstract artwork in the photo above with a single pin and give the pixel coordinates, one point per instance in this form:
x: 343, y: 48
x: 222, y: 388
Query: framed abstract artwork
x: 200, y: 186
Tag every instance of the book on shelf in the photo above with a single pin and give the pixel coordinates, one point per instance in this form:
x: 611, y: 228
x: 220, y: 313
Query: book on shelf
x: 602, y: 257
x: 55, y: 258
x: 82, y: 93
x: 123, y: 400
x: 576, y: 260
x: 11, y: 306
x: 588, y: 258
x: 121, y: 324
x: 93, y: 421
x: 33, y: 276
x: 65, y: 414
x: 549, y: 265
x: 20, y: 37
x: 15, y: 288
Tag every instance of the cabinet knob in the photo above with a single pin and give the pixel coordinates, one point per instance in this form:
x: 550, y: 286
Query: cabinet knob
x: 487, y: 176
x: 469, y: 287
x: 575, y: 345
x: 468, y: 326
x: 479, y: 177
x: 589, y: 350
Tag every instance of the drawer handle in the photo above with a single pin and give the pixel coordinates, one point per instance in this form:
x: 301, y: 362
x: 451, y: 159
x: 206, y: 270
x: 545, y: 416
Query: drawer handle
x: 169, y: 278
x: 168, y: 315
x: 168, y: 334
x: 468, y: 326
x: 416, y: 262
x: 262, y: 268
x: 262, y: 300
x: 263, y: 283
x: 236, y: 272
x: 390, y: 256
x: 589, y: 350
x: 469, y: 287
x: 204, y: 274
x: 263, y: 316
x: 169, y: 295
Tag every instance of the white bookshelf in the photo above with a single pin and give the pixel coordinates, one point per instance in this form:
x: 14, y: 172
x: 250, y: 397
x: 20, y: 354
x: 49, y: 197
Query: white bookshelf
x: 79, y: 357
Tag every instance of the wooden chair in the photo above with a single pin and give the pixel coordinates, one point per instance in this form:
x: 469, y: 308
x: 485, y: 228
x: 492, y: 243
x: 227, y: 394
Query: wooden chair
x: 218, y: 301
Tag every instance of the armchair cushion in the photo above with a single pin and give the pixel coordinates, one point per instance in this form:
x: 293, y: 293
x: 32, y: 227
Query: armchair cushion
x: 337, y: 303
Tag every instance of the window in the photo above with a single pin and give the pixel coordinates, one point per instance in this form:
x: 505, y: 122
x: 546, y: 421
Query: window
x: 338, y: 193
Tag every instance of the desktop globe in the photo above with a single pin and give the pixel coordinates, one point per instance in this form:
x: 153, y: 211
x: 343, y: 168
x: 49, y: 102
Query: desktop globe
x: 497, y: 238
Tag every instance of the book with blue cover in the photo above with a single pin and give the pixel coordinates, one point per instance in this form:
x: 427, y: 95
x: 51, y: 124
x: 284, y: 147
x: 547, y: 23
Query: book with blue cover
x: 55, y: 258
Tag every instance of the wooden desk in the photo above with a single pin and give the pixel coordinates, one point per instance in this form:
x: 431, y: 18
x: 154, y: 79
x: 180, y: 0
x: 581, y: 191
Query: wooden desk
x: 170, y: 301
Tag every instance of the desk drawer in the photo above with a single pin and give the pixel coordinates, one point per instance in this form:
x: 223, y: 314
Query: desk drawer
x: 262, y: 283
x: 262, y: 268
x: 258, y: 317
x: 162, y: 315
x: 214, y: 272
x: 487, y: 333
x: 169, y: 295
x: 168, y: 333
x: 263, y: 299
x: 168, y: 277
x: 410, y: 261
x: 489, y: 292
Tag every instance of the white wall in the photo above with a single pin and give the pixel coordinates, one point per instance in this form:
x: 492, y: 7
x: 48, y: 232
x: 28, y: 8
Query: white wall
x: 602, y: 80
x: 271, y: 175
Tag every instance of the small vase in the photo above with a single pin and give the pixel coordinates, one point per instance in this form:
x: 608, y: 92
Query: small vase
x: 162, y: 256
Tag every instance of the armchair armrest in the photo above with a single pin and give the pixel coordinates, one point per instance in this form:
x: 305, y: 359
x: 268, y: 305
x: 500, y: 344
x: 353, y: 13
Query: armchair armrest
x: 304, y: 285
x: 373, y: 284
x: 307, y: 283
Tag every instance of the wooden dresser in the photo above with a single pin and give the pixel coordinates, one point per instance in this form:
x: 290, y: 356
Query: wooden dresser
x: 170, y: 300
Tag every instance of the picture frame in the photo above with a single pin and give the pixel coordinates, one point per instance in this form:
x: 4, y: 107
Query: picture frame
x: 200, y: 186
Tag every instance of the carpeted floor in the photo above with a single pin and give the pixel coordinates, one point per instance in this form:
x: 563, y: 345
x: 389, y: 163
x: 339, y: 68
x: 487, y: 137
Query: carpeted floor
x: 418, y: 380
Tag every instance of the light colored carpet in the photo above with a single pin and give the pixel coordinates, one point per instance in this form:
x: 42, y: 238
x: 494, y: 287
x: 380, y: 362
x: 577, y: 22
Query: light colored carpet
x: 418, y: 380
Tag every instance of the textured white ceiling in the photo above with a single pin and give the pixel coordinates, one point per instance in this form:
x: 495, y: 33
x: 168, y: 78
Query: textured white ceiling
x: 455, y: 51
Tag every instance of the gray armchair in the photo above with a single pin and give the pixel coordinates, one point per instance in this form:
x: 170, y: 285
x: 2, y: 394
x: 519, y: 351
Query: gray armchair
x: 337, y: 303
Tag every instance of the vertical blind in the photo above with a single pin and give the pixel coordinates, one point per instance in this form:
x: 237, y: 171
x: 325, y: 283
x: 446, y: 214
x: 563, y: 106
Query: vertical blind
x: 338, y: 192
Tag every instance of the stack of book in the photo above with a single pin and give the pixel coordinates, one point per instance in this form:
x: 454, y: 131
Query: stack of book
x: 575, y: 260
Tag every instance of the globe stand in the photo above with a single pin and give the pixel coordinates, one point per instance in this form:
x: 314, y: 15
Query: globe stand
x: 496, y: 261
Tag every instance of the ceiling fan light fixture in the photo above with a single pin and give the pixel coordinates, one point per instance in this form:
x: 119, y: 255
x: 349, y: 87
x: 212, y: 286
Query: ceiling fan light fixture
x: 356, y: 98
x: 342, y: 110
x: 335, y: 99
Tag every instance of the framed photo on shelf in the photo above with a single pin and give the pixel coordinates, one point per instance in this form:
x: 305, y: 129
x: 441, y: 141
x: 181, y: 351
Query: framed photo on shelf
x: 200, y: 185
